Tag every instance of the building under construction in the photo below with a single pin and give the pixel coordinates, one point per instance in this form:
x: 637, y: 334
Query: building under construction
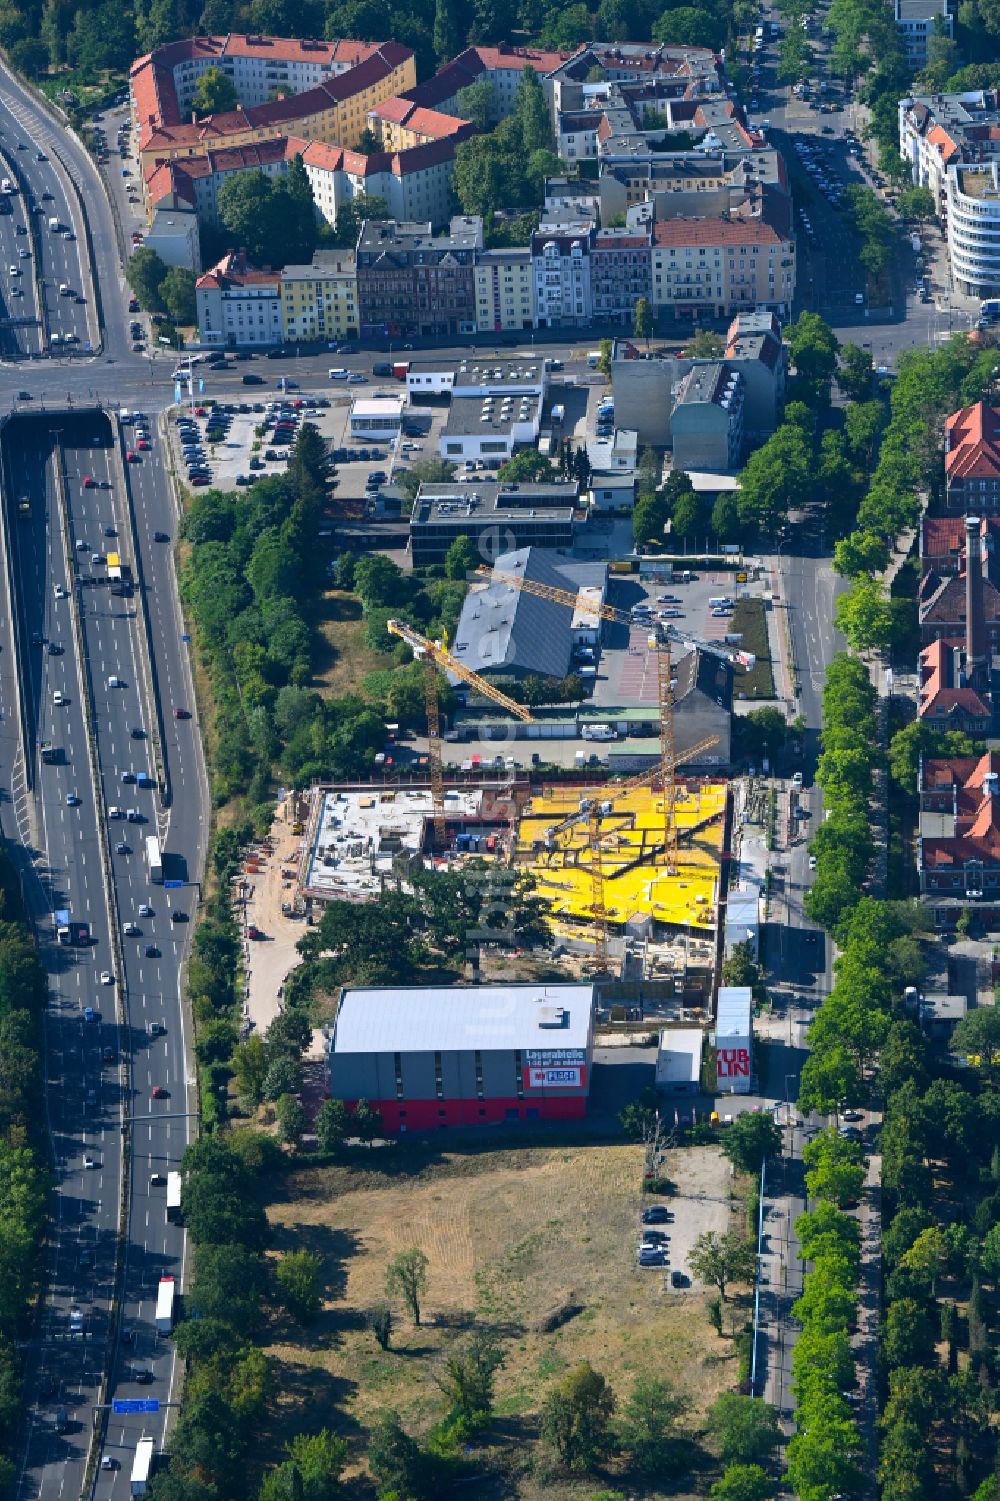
x: 618, y: 850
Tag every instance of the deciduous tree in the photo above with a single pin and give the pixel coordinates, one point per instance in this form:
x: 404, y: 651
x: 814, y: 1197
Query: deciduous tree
x: 406, y: 1277
x: 576, y: 1417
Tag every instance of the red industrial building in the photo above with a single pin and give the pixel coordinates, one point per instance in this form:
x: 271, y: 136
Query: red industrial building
x: 429, y: 1057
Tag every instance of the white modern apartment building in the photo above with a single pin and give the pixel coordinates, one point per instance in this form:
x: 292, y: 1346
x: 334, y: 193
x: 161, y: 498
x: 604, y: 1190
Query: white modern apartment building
x: 973, y: 207
x: 916, y: 21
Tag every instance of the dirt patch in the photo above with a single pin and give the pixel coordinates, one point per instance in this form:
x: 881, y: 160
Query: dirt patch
x: 342, y: 657
x: 513, y: 1238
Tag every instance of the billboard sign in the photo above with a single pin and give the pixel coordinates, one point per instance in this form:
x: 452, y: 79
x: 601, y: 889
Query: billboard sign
x: 562, y: 1077
x: 554, y: 1057
x: 733, y: 1063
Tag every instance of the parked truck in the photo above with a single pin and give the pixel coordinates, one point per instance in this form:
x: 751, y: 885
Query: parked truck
x: 165, y: 1305
x: 141, y: 1466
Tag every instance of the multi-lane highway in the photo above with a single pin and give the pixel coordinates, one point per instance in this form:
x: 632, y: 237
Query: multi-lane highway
x: 116, y: 1030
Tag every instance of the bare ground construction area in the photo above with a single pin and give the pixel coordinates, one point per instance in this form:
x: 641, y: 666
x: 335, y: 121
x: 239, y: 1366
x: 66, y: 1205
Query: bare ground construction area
x: 511, y: 1236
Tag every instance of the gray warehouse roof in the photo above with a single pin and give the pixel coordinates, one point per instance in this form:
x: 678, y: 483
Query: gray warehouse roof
x: 503, y: 628
x: 461, y: 1018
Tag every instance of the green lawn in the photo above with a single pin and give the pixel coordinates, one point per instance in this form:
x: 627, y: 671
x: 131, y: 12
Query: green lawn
x: 750, y: 621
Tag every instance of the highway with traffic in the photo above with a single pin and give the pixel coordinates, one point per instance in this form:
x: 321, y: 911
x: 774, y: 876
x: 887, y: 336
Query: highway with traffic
x: 87, y: 662
x: 117, y: 1048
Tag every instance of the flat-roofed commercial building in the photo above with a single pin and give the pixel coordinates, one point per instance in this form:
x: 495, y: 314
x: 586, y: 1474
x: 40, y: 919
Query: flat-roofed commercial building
x: 496, y: 517
x: 429, y: 1057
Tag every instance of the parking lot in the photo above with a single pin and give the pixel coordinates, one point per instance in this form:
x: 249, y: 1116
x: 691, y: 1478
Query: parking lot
x: 626, y: 668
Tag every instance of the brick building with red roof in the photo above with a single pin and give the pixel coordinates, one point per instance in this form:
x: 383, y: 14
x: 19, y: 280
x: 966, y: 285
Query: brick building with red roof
x: 958, y: 856
x: 972, y: 460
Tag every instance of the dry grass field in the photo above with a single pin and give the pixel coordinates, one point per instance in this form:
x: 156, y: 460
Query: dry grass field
x: 510, y: 1236
x: 342, y: 658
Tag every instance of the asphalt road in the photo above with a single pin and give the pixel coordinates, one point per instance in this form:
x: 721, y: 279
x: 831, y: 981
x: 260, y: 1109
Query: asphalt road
x: 67, y: 871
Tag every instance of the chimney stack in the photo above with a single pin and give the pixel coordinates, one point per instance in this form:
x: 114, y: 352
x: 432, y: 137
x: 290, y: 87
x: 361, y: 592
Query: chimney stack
x: 976, y: 653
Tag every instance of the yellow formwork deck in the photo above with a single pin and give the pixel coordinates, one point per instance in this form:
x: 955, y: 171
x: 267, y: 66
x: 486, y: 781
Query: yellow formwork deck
x: 631, y: 858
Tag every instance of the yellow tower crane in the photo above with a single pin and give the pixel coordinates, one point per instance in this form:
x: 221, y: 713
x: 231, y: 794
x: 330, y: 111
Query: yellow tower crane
x: 436, y: 657
x: 661, y: 639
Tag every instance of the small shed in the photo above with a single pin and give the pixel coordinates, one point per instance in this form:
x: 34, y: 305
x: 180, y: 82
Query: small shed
x: 678, y: 1061
x: 743, y: 921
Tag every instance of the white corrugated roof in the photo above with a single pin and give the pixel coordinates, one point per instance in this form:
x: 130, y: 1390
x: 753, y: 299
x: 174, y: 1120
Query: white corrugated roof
x: 732, y: 1016
x: 422, y: 1019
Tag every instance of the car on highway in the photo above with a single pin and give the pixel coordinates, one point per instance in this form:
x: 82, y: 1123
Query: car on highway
x: 90, y: 1015
x: 137, y: 732
x: 72, y: 800
x: 151, y: 951
x: 145, y: 910
x: 88, y: 1162
x: 143, y: 1375
x: 178, y: 916
x: 107, y: 978
x: 59, y: 697
x: 159, y: 1093
x: 182, y: 713
x: 160, y: 537
x: 121, y: 848
x: 132, y: 930
x: 131, y: 457
x: 54, y: 649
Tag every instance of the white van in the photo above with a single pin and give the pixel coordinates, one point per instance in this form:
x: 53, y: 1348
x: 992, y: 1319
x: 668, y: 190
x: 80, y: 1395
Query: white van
x: 598, y: 732
x: 593, y: 358
x: 65, y: 290
x: 114, y: 682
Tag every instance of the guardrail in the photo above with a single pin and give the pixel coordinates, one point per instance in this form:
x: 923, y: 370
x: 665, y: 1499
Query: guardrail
x: 114, y: 923
x: 154, y: 708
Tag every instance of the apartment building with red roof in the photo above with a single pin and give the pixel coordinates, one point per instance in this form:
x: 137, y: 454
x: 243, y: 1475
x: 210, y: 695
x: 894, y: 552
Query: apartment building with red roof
x: 721, y: 265
x: 958, y: 857
x: 321, y: 91
x: 239, y: 304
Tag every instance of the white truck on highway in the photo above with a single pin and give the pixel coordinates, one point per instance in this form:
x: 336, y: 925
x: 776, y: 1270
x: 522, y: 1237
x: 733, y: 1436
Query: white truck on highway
x: 141, y: 1466
x: 165, y: 1305
x: 54, y: 225
x: 154, y: 859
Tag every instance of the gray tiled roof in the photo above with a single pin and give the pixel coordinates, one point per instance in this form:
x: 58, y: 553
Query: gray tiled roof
x: 503, y: 629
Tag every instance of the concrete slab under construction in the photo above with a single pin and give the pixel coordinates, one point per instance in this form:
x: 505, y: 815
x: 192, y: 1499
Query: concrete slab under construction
x: 357, y: 833
x: 639, y: 893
